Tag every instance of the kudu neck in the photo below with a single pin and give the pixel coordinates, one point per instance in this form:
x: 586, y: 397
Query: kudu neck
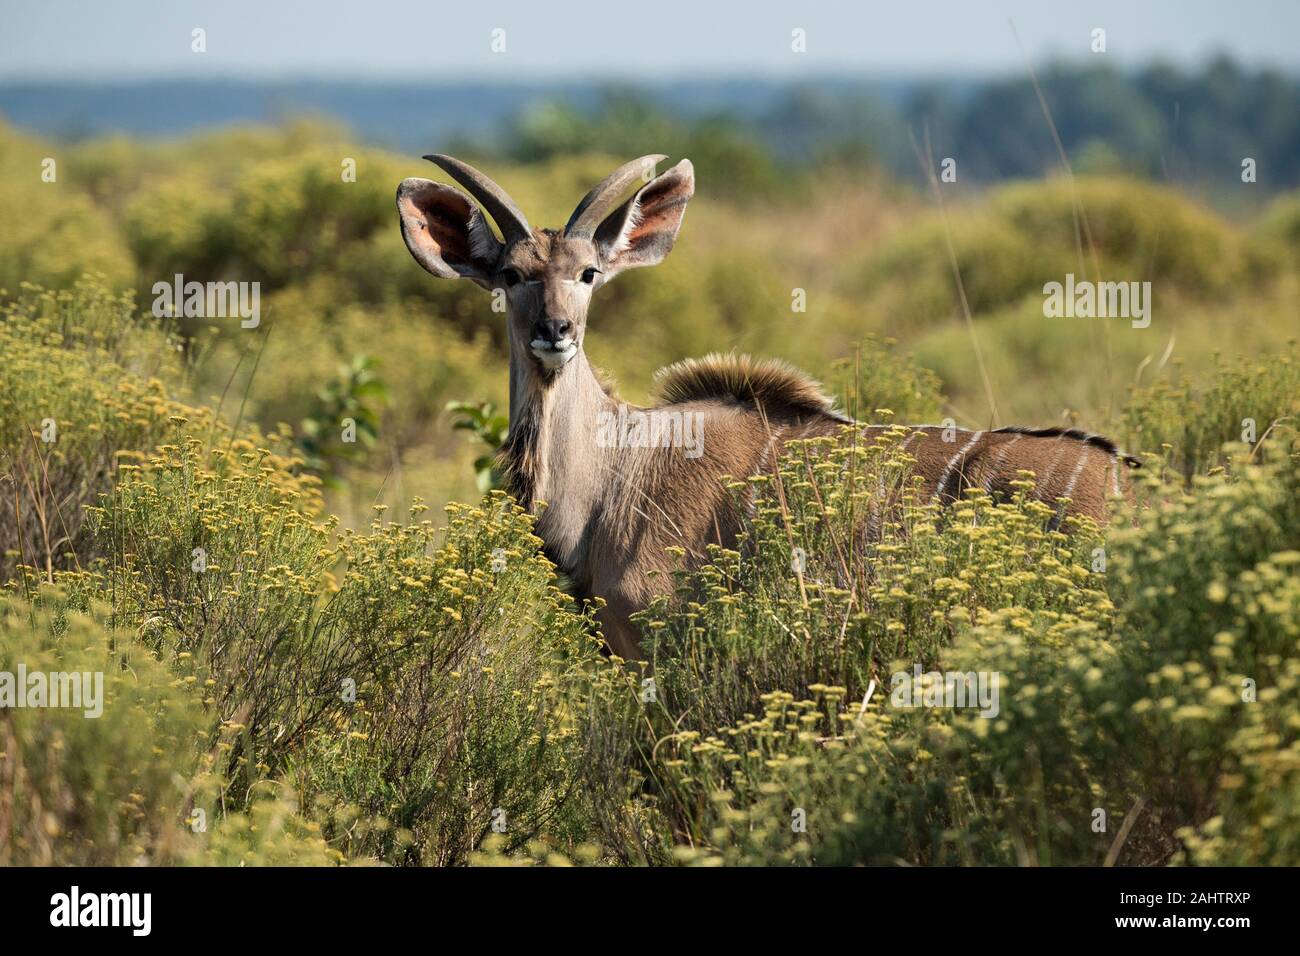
x: 551, y: 450
x: 565, y: 394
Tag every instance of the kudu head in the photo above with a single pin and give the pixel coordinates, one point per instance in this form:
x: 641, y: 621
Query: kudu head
x: 547, y: 276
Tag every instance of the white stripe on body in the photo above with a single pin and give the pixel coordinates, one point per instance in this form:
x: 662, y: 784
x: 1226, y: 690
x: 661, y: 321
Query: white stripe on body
x: 996, y: 460
x: 1078, y: 470
x: 952, y: 462
x: 1042, y: 487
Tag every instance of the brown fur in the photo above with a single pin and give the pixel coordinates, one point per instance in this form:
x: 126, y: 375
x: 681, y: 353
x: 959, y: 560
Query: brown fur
x: 608, y: 512
x: 779, y: 390
x: 644, y: 500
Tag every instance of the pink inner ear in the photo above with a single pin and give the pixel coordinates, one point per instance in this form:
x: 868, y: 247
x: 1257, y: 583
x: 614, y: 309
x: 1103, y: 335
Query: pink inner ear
x: 659, y: 213
x: 453, y: 241
x: 445, y: 231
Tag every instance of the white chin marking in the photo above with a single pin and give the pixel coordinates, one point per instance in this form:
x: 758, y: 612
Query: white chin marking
x: 554, y: 356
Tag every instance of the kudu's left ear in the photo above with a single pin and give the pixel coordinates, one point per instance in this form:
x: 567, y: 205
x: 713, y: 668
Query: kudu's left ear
x: 446, y: 232
x: 642, y: 230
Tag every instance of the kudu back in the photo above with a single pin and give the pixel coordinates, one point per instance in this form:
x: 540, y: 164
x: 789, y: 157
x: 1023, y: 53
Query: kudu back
x: 610, y: 508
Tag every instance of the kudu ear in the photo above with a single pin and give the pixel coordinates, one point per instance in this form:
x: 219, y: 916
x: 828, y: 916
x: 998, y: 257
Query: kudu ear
x: 642, y: 230
x: 446, y: 231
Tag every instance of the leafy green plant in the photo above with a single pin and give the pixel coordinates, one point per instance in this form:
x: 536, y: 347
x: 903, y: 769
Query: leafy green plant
x: 489, y: 428
x: 343, y: 424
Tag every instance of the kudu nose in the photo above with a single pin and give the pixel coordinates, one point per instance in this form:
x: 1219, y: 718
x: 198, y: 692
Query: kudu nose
x: 552, y: 330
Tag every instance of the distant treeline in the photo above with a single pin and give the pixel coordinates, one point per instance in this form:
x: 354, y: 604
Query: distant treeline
x: 1193, y: 127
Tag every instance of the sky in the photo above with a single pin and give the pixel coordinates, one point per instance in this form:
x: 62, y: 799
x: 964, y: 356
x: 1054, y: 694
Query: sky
x: 418, y: 41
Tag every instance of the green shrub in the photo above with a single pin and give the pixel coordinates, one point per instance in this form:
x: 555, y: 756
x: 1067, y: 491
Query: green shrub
x: 272, y: 831
x: 343, y: 425
x: 1210, y: 602
x: 415, y: 694
x: 77, y: 790
x: 911, y: 277
x: 215, y: 557
x: 53, y: 230
x: 1189, y: 422
x: 180, y: 225
x: 411, y: 694
x: 1142, y: 712
x: 1030, y: 234
x: 81, y: 379
x: 1280, y: 224
x: 460, y: 728
x: 134, y: 784
x: 806, y: 601
x: 882, y: 380
x: 282, y: 220
x: 1139, y: 231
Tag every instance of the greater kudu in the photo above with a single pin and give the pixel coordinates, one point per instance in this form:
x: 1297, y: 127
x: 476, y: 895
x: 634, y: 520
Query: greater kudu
x: 612, y: 508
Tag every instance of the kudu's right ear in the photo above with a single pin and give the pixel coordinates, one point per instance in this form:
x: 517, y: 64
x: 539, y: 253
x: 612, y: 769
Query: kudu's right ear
x: 446, y: 231
x: 642, y: 230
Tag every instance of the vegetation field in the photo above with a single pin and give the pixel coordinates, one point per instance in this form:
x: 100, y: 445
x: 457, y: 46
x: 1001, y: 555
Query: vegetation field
x: 325, y: 651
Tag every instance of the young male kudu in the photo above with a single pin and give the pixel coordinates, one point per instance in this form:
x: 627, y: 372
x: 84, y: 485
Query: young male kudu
x: 608, y: 511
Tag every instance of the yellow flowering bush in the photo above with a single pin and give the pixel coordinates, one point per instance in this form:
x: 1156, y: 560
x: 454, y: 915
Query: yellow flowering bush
x: 80, y: 379
x: 1154, y: 730
x: 283, y: 689
x: 90, y: 790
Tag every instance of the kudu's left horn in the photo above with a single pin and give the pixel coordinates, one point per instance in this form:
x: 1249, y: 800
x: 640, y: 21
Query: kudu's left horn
x: 604, y: 196
x: 495, y: 200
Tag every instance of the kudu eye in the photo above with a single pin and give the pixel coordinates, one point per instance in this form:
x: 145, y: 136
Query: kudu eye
x: 589, y: 274
x: 510, y: 276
